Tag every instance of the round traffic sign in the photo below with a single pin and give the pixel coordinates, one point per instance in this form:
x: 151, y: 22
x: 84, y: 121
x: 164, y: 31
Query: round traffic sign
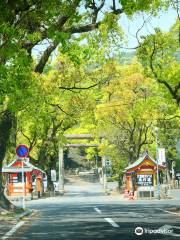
x: 22, y: 151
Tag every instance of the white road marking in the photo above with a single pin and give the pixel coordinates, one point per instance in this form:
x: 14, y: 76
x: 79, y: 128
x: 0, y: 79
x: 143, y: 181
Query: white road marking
x: 166, y: 227
x: 175, y: 235
x: 13, y: 230
x: 97, y: 210
x: 39, y: 233
x: 169, y: 227
x: 177, y: 227
x: 109, y: 220
x: 168, y: 211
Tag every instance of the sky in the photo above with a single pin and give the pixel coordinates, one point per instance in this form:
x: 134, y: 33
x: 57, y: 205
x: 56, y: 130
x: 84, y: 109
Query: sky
x: 164, y: 21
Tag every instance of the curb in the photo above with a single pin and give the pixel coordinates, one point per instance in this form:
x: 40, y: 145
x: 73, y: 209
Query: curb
x: 24, y: 214
x: 19, y: 224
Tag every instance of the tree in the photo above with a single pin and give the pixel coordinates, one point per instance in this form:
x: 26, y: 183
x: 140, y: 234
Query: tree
x: 168, y: 139
x: 5, y: 124
x: 129, y: 110
x: 26, y: 25
x: 159, y: 56
x: 61, y: 101
x: 16, y: 95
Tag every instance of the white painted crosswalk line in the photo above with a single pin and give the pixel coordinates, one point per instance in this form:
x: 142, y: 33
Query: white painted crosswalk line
x: 109, y: 220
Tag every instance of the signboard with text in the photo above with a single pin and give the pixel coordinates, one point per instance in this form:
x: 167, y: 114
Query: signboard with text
x: 145, y: 180
x: 53, y: 175
x: 161, y: 156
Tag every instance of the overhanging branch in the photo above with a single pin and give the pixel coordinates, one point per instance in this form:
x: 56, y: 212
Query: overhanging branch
x: 173, y: 92
x: 79, y: 88
x: 40, y: 66
x: 72, y: 30
x: 59, y: 107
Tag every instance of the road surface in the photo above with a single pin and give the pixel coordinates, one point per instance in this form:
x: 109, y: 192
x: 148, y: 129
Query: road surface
x: 84, y: 214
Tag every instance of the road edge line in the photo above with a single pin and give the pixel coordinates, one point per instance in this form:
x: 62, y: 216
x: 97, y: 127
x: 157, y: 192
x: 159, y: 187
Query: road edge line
x: 13, y: 230
x: 168, y: 211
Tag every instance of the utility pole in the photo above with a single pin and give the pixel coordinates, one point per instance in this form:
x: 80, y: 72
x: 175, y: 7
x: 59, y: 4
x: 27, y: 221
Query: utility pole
x: 157, y: 161
x: 104, y: 177
x: 61, y: 171
x: 173, y: 173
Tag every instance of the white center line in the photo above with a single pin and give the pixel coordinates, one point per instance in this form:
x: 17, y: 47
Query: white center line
x: 13, y: 230
x: 97, y: 210
x: 109, y: 220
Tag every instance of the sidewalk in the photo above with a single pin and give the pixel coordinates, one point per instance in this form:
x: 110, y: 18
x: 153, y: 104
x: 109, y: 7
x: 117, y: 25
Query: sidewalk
x: 7, y: 221
x: 174, y: 193
x: 10, y: 219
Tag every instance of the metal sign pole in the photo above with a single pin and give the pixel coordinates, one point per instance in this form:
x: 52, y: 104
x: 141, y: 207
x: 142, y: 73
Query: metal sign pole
x: 23, y: 197
x: 22, y: 152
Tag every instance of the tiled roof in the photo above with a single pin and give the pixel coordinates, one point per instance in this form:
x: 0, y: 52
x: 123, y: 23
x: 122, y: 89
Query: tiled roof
x: 15, y: 170
x: 28, y: 167
x: 140, y: 160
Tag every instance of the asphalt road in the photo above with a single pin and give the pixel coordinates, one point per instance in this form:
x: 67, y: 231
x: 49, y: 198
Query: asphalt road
x: 87, y: 214
x: 91, y: 221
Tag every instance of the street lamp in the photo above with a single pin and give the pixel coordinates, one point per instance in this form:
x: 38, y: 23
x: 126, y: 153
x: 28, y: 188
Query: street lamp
x: 157, y: 164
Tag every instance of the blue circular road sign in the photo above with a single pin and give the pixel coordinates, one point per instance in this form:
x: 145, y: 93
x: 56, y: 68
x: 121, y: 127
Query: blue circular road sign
x: 22, y: 151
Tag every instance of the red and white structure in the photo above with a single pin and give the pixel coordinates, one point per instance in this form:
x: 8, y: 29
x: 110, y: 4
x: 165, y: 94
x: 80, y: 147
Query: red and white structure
x: 15, y: 181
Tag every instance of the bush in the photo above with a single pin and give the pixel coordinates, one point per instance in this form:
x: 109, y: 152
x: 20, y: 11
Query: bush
x: 113, y: 178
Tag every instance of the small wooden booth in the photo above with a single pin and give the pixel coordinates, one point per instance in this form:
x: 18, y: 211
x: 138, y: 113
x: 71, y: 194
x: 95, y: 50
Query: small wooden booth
x: 15, y: 178
x: 141, y: 176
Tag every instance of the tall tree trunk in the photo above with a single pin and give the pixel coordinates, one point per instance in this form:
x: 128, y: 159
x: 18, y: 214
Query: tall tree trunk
x: 51, y: 166
x: 5, y: 131
x: 45, y: 160
x: 43, y: 150
x: 13, y: 131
